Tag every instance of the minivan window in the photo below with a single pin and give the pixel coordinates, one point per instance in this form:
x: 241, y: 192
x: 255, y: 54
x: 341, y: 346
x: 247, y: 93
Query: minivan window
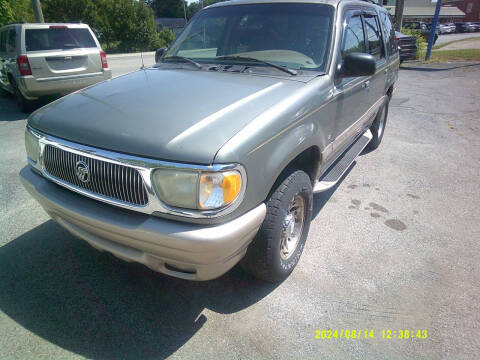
x: 374, y: 38
x: 296, y: 35
x: 354, y: 39
x: 3, y: 40
x: 58, y: 39
x: 11, y: 40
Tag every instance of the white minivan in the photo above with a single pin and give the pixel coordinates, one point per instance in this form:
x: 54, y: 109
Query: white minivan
x: 48, y: 59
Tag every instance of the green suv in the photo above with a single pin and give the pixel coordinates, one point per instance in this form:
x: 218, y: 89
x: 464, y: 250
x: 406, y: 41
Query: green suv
x: 211, y: 157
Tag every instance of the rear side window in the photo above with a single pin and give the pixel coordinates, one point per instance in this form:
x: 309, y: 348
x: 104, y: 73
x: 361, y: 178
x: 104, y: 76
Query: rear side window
x: 389, y: 33
x: 375, y: 44
x: 58, y: 39
x: 354, y: 40
x: 3, y: 40
x: 11, y: 40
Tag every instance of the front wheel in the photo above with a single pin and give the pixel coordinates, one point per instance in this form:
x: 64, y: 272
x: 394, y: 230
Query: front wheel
x: 277, y: 247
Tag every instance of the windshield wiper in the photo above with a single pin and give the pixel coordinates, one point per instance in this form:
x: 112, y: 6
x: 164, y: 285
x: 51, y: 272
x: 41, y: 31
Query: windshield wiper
x: 246, y: 58
x: 182, y: 58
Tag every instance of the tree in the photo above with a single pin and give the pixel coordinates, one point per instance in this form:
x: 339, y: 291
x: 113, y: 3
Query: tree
x: 399, y: 6
x: 196, y: 6
x: 168, y: 8
x: 15, y: 10
x: 120, y: 25
x: 6, y: 13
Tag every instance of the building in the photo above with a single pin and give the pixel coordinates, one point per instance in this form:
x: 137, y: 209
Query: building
x: 471, y: 8
x: 423, y: 10
x: 175, y: 24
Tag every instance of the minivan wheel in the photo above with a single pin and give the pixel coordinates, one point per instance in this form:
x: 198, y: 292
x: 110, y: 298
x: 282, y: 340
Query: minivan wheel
x: 24, y: 104
x: 278, y: 245
x: 378, y: 126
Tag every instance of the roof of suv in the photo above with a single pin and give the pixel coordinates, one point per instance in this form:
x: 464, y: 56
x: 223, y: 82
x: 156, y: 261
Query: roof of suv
x: 330, y: 2
x: 44, y: 25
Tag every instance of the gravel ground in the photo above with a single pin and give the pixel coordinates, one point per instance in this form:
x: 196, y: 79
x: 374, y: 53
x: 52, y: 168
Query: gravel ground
x: 395, y: 246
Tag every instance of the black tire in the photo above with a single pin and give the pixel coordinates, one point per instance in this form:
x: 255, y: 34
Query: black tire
x: 378, y: 126
x: 263, y: 259
x: 24, y: 104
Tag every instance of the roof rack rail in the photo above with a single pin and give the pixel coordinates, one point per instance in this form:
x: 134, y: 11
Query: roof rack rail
x: 16, y: 23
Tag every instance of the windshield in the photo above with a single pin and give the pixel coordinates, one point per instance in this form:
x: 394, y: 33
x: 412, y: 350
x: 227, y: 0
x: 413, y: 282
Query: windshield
x: 61, y: 38
x: 294, y: 35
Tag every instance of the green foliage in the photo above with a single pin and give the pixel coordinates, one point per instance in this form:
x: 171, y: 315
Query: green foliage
x: 416, y: 33
x: 15, y: 10
x: 120, y: 25
x: 196, y: 6
x: 168, y: 8
x: 166, y: 37
x: 6, y: 13
x: 421, y: 44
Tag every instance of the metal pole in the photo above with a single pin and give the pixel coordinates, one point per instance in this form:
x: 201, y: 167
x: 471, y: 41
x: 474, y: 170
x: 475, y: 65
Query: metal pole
x: 37, y: 9
x: 433, y: 30
x: 184, y: 10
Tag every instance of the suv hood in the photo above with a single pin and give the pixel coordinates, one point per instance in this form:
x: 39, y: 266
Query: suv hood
x: 177, y: 115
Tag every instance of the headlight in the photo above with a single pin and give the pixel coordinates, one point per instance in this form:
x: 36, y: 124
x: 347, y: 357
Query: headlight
x: 195, y: 189
x: 31, y: 146
x: 177, y: 188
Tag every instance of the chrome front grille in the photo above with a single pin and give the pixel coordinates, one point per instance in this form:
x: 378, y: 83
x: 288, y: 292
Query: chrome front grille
x: 99, y: 177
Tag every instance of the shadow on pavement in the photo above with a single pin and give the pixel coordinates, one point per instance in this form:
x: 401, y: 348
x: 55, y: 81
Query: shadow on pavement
x: 320, y: 199
x: 430, y: 68
x: 9, y: 110
x: 95, y: 305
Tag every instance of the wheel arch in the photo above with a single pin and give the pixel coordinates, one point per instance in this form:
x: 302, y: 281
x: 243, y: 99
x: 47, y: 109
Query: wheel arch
x: 307, y: 160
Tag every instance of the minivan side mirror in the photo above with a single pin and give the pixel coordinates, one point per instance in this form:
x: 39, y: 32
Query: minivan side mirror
x: 159, y: 53
x: 358, y: 64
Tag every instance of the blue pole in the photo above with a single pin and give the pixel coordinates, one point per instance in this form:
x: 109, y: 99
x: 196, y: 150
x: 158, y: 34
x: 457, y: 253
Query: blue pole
x: 433, y: 30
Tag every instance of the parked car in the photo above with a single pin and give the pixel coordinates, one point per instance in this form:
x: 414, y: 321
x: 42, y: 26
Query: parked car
x: 407, y: 45
x: 450, y: 28
x: 477, y: 25
x: 211, y: 157
x: 46, y: 59
x: 465, y: 27
x: 423, y: 27
x: 442, y: 29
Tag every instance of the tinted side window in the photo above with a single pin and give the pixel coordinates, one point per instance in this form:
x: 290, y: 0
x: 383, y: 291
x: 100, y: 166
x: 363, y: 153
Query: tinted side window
x: 389, y: 33
x: 374, y: 38
x: 3, y: 40
x: 11, y: 40
x: 353, y: 38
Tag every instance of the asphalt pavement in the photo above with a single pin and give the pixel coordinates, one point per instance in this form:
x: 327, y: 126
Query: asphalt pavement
x: 395, y: 246
x: 445, y: 38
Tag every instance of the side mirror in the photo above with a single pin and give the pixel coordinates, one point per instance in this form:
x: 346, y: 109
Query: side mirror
x: 159, y: 53
x: 358, y: 64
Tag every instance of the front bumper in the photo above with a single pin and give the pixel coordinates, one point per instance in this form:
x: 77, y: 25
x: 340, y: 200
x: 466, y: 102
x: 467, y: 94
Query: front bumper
x: 32, y: 87
x: 184, y: 250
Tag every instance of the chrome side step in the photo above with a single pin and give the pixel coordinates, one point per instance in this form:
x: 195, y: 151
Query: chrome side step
x: 335, y: 172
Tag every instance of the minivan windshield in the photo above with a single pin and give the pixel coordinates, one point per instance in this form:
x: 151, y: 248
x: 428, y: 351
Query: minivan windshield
x: 294, y: 35
x: 58, y: 38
